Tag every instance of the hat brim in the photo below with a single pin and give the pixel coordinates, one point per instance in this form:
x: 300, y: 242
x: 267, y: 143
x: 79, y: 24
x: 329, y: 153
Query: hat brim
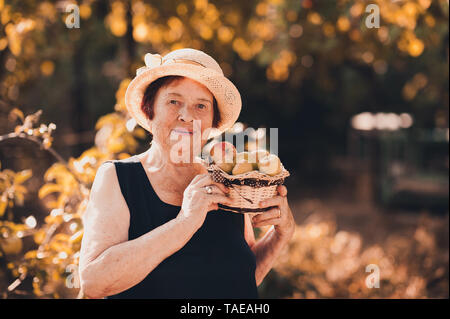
x: 227, y: 95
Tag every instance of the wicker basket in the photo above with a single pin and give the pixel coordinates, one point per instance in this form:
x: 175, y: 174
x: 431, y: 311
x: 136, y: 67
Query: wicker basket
x: 248, y: 189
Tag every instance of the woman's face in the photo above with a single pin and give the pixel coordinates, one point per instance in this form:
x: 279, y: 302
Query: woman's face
x: 176, y: 107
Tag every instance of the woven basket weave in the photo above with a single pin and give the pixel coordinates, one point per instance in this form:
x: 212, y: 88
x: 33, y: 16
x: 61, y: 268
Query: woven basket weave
x: 248, y: 189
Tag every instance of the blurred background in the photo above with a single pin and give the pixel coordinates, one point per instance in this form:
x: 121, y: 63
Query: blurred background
x: 361, y: 111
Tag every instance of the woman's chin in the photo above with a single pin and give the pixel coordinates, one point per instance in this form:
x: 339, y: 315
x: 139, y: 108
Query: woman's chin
x: 184, y: 152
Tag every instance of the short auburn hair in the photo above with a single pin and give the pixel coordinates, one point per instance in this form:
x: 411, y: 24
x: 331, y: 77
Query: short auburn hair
x: 148, y: 99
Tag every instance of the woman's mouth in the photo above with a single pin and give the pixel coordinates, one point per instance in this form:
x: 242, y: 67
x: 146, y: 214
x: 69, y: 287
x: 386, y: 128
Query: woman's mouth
x: 182, y: 131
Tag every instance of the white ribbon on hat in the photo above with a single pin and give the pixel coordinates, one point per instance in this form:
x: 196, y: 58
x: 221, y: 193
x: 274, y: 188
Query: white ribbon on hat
x: 155, y: 60
x: 151, y: 61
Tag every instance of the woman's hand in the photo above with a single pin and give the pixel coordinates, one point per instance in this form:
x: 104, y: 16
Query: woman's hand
x: 279, y: 216
x: 197, y: 202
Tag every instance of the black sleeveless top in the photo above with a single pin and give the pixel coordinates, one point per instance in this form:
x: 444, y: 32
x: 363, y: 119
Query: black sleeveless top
x: 215, y: 263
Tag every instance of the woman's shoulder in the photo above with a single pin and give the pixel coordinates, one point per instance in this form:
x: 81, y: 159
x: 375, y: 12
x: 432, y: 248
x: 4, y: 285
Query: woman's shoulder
x: 110, y: 165
x: 108, y: 182
x: 131, y: 159
x: 120, y: 170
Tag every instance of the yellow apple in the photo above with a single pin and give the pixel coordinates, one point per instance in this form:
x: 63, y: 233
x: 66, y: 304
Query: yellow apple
x: 242, y: 164
x: 255, y: 156
x: 242, y: 157
x: 241, y: 168
x: 223, y: 152
x: 270, y: 165
x: 227, y: 167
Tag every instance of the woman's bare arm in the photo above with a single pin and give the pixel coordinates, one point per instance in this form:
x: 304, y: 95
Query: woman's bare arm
x: 266, y: 249
x: 249, y: 233
x: 109, y: 262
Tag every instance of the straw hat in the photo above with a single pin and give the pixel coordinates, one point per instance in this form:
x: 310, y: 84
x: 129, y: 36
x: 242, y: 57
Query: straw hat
x: 193, y: 64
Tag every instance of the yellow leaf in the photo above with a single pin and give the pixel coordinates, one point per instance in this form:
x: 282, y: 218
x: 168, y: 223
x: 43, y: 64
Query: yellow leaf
x: 39, y: 237
x: 111, y: 118
x: 11, y: 245
x: 16, y: 113
x: 47, y: 189
x: 116, y: 146
x: 22, y: 176
x: 52, y: 204
x: 123, y: 156
x: 61, y: 237
x: 3, y: 205
x: 55, y: 277
x: 140, y: 132
x: 76, y: 238
x: 55, y: 170
x: 9, y: 173
x: 20, y: 189
x: 92, y: 152
x: 30, y: 254
x: 19, y: 198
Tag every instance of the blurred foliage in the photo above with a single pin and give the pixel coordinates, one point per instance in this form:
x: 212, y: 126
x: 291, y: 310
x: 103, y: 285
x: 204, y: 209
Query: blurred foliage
x: 324, y: 262
x: 306, y: 65
x: 315, y: 58
x: 51, y: 255
x: 290, y: 39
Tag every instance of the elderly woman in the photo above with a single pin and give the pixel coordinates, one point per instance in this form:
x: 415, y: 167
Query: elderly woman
x: 153, y: 227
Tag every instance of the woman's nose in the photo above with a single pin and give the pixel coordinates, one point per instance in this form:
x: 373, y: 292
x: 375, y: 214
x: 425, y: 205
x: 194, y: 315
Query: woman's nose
x: 185, y: 114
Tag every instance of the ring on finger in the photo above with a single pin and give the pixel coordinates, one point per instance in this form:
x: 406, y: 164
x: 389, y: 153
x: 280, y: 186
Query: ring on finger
x: 279, y: 212
x: 208, y: 189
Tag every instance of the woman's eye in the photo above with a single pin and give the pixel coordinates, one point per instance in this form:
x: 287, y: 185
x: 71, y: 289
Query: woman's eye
x: 173, y: 101
x: 201, y: 106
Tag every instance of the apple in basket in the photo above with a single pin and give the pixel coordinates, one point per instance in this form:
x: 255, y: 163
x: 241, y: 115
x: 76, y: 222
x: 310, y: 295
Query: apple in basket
x: 270, y: 165
x: 223, y: 155
x: 242, y: 164
x: 255, y: 156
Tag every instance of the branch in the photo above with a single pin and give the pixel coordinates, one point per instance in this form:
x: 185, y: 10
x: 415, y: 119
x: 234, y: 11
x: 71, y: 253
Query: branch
x: 35, y: 140
x: 39, y: 142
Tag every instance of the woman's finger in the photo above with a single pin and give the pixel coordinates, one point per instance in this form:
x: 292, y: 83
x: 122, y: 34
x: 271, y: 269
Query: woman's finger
x: 271, y: 213
x: 224, y: 189
x: 217, y: 188
x: 205, y: 181
x: 218, y: 199
x: 271, y: 221
x: 274, y: 201
x: 282, y: 190
x: 197, y: 178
